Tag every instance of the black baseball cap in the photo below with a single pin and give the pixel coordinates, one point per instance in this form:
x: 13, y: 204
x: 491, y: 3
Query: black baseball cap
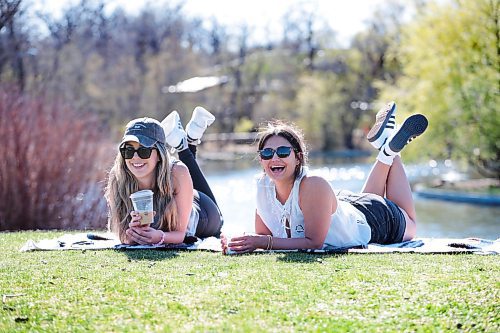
x: 146, y: 131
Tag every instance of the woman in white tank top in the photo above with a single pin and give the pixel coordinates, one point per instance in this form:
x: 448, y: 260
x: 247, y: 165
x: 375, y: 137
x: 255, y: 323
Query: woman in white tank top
x: 299, y: 211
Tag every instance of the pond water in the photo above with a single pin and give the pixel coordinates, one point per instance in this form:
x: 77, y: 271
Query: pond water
x: 233, y: 186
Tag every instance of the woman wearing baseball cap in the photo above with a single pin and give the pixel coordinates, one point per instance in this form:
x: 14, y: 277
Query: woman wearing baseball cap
x: 183, y: 201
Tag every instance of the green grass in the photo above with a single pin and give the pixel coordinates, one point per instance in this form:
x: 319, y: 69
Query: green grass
x: 179, y: 291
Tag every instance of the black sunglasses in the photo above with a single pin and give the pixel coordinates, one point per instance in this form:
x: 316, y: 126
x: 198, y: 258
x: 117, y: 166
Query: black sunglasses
x: 129, y: 151
x: 268, y: 153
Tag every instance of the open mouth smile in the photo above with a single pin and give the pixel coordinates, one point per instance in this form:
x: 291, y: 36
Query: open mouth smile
x: 277, y: 169
x: 138, y: 165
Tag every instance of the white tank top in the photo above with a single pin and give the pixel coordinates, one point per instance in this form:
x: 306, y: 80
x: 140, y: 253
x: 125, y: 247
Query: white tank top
x: 348, y: 226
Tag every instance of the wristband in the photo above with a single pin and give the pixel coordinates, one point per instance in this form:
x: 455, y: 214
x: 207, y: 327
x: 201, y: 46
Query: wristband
x: 162, y: 240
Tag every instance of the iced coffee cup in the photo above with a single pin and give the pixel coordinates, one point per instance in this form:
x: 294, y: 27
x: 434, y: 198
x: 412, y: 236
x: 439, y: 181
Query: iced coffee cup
x: 143, y: 204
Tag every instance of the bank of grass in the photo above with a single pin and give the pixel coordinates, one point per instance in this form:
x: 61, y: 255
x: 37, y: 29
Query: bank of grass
x: 163, y: 291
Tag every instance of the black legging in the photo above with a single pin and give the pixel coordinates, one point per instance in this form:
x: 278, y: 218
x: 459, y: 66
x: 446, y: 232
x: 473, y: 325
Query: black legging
x: 210, y: 218
x: 188, y: 157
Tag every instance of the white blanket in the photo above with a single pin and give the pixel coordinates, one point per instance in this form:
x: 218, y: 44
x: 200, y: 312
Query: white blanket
x: 83, y: 241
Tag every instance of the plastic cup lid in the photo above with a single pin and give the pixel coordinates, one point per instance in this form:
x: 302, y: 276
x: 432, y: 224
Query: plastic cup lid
x: 140, y: 194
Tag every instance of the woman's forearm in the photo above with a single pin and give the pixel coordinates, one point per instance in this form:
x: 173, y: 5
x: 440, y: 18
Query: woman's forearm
x: 174, y: 237
x: 249, y: 243
x: 294, y: 243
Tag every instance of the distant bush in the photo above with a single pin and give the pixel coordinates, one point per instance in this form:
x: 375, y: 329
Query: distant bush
x: 51, y: 158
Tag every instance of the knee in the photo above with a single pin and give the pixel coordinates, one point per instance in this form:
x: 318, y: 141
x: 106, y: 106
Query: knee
x: 410, y: 229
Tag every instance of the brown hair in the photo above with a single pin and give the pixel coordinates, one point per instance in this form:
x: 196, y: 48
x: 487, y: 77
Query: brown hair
x: 289, y: 132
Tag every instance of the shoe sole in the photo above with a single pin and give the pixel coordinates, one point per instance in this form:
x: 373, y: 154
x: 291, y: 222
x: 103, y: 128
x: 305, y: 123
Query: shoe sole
x: 381, y: 120
x: 412, y: 127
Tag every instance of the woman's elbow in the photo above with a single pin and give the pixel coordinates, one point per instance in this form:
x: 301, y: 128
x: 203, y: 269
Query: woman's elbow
x: 175, y: 238
x: 315, y: 244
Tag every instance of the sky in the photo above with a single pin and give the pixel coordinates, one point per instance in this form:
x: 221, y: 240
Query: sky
x: 345, y: 17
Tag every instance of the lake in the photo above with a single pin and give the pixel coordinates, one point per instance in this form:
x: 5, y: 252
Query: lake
x: 233, y: 185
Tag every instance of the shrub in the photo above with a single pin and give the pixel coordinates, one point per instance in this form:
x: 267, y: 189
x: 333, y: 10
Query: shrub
x: 51, y: 174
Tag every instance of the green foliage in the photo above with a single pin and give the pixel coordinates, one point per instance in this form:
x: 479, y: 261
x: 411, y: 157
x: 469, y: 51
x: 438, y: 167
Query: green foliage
x: 320, y: 109
x: 271, y: 77
x: 451, y: 74
x: 244, y: 125
x: 324, y: 101
x: 309, y: 100
x: 182, y: 291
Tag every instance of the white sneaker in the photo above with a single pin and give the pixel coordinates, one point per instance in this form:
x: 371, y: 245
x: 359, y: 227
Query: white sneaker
x: 199, y: 122
x: 175, y: 136
x: 412, y: 127
x: 384, y: 127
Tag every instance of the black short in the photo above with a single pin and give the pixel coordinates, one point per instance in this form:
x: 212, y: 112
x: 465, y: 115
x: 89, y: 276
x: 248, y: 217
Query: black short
x: 385, y: 218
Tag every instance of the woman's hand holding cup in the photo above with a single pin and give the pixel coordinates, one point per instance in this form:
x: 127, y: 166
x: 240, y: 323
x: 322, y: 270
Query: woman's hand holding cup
x: 137, y: 220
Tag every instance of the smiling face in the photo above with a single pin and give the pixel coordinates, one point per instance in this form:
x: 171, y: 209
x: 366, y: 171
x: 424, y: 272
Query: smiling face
x: 279, y: 168
x: 142, y: 169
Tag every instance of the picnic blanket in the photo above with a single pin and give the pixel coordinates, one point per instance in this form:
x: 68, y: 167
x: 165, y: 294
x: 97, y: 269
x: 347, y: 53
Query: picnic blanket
x: 91, y: 241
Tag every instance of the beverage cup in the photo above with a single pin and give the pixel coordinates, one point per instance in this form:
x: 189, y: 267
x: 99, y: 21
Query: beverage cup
x: 228, y: 237
x: 143, y: 204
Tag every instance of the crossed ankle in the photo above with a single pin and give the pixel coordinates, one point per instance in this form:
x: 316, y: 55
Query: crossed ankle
x: 386, y: 158
x: 192, y: 141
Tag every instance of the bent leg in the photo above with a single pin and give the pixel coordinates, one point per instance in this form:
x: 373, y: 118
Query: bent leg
x: 377, y: 178
x: 210, y: 218
x: 193, y: 149
x: 398, y: 191
x: 199, y: 181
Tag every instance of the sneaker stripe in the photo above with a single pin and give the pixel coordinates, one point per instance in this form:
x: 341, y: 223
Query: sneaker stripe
x: 381, y: 120
x: 181, y: 145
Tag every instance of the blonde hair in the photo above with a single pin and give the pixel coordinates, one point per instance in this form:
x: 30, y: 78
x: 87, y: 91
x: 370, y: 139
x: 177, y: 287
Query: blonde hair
x: 122, y: 183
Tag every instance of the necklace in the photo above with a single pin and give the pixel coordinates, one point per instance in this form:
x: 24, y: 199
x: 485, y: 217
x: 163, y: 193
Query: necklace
x: 282, y: 211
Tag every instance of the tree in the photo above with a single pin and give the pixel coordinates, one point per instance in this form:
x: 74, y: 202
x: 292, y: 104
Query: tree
x: 325, y: 101
x: 451, y: 72
x: 12, y: 40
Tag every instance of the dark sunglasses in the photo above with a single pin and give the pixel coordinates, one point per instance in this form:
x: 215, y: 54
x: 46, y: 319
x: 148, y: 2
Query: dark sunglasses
x: 129, y: 151
x: 268, y: 153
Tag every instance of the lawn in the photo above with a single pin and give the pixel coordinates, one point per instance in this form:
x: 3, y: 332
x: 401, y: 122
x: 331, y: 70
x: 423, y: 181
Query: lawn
x: 181, y: 291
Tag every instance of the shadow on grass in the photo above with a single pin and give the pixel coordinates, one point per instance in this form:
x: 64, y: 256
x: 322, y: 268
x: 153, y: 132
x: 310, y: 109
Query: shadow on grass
x: 150, y: 255
x: 294, y: 257
x: 160, y: 253
x: 301, y: 257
